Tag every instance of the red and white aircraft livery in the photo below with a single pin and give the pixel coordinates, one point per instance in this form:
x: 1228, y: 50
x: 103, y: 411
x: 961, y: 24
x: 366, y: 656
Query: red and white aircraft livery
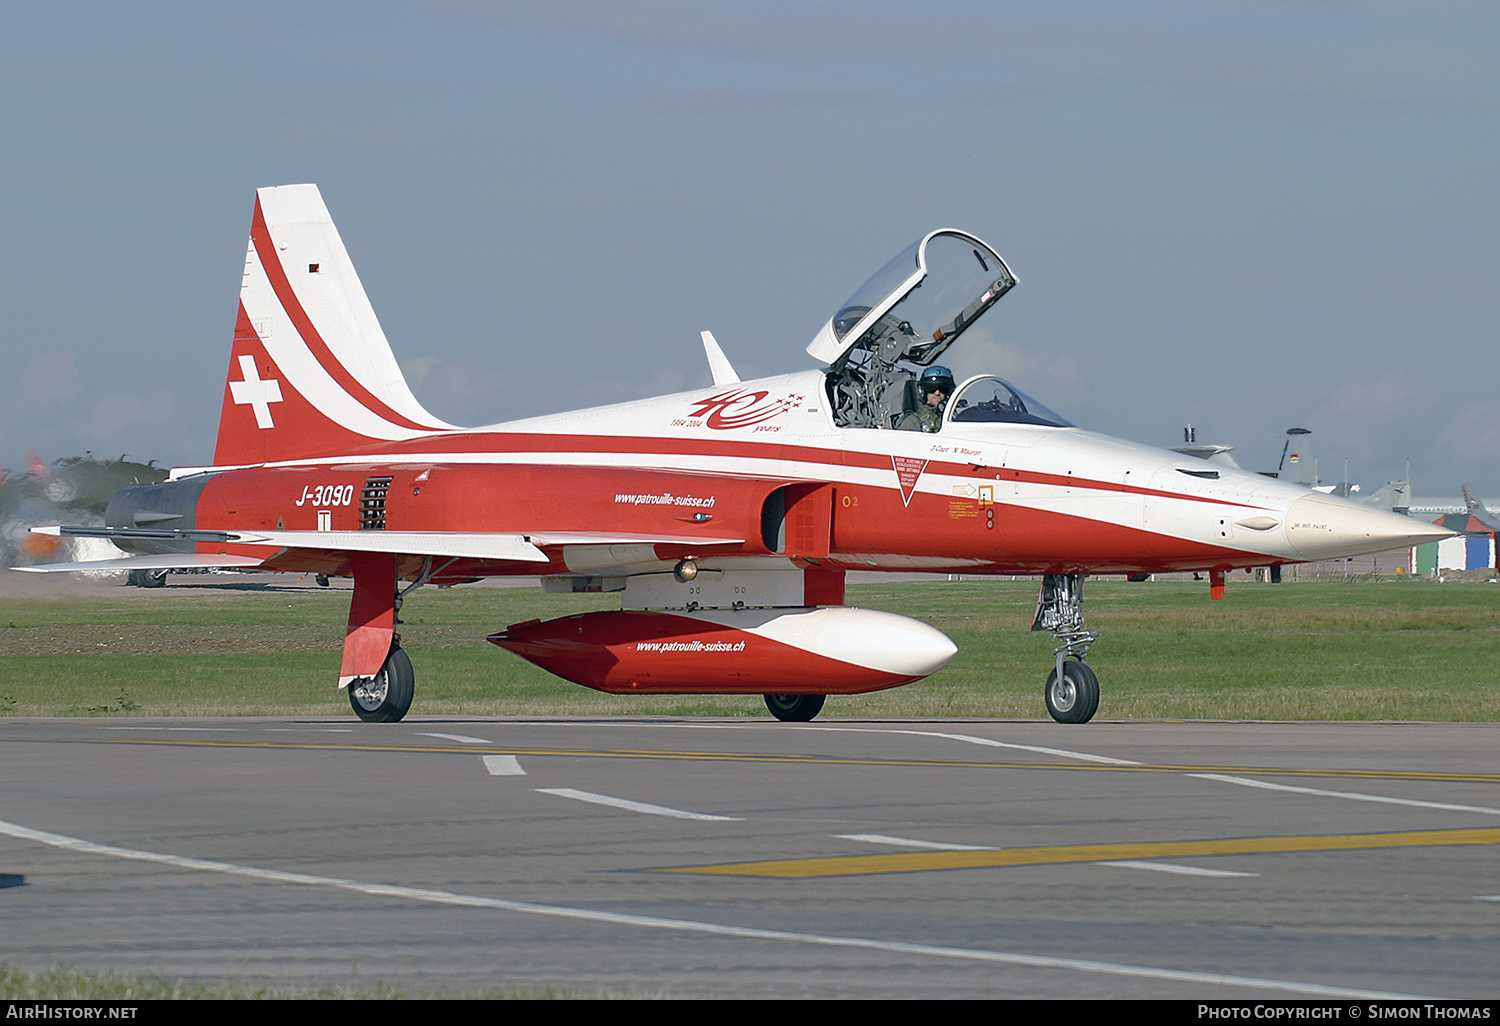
x: 726, y: 517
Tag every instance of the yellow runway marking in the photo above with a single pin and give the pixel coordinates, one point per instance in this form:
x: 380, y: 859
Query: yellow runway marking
x: 925, y: 861
x: 820, y: 760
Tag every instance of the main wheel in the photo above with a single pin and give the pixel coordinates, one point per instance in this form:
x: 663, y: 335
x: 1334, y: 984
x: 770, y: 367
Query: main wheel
x: 385, y: 697
x: 795, y: 708
x: 1074, y: 698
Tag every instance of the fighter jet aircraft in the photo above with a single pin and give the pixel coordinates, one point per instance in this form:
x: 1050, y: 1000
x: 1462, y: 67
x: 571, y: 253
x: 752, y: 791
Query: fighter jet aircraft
x: 725, y: 517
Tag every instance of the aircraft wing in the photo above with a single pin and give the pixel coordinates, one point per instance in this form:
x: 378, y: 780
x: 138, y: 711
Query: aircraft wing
x: 462, y: 544
x: 519, y: 547
x: 624, y: 538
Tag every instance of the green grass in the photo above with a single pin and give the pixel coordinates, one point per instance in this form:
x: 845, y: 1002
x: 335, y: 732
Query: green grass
x: 1353, y: 650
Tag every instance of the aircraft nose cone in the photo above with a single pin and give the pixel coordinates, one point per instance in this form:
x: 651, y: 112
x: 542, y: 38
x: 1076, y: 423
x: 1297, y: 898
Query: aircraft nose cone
x: 1325, y: 527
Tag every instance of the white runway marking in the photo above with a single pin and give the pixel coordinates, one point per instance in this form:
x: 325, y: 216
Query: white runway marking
x: 1170, y: 867
x: 503, y: 766
x: 462, y: 739
x: 907, y: 842
x: 964, y: 738
x: 630, y: 806
x: 972, y: 740
x: 691, y: 926
x: 1351, y: 795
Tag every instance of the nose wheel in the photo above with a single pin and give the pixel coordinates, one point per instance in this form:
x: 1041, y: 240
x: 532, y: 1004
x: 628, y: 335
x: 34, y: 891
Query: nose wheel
x: 1072, y: 695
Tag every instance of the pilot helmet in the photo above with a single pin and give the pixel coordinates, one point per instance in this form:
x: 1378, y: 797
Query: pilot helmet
x: 940, y: 378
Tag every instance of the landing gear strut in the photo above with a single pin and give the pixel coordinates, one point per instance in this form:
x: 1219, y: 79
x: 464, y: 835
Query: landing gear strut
x: 1072, y: 691
x: 384, y: 696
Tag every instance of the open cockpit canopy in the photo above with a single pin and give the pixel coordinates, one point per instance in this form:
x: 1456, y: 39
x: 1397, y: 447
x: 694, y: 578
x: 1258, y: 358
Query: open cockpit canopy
x: 901, y: 321
x: 916, y: 305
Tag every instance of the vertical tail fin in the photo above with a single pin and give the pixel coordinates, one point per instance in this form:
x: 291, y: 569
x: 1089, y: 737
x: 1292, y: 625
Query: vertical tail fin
x: 310, y: 373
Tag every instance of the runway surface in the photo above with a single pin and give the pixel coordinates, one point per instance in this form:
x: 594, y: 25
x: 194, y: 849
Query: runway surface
x: 748, y: 858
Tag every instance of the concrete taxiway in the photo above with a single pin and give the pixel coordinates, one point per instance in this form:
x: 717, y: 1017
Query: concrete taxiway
x: 748, y: 858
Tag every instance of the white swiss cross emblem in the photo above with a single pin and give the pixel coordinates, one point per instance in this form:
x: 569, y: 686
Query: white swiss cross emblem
x: 257, y: 394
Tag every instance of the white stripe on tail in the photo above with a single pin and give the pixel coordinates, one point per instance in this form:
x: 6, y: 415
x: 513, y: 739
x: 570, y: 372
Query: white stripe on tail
x: 310, y: 373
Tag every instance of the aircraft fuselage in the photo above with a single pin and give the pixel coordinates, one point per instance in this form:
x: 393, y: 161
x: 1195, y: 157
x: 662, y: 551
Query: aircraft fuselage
x: 758, y: 474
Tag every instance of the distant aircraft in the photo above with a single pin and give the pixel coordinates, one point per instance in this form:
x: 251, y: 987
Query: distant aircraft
x: 1475, y: 506
x: 1435, y: 506
x: 76, y: 487
x: 726, y: 517
x: 1297, y: 465
x: 1213, y: 453
x: 1297, y: 462
x: 1397, y: 496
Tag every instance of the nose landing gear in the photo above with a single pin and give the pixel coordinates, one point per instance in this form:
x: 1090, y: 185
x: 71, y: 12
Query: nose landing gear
x: 1072, y: 691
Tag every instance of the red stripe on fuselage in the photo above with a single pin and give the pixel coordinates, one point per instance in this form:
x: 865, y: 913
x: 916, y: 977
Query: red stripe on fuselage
x: 869, y: 525
x: 521, y: 443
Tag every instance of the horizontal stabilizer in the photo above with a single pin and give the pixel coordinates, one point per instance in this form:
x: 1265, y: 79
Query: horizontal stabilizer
x: 169, y: 561
x: 157, y: 534
x: 410, y: 543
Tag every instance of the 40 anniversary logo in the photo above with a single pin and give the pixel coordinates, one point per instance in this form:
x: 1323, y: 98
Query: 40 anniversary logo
x: 741, y: 408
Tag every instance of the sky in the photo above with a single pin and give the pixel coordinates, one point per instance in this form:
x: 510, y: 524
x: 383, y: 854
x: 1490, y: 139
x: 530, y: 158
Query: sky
x: 1247, y: 216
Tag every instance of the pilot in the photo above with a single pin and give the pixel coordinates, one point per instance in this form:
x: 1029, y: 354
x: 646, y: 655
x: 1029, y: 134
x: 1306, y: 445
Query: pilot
x: 934, y: 389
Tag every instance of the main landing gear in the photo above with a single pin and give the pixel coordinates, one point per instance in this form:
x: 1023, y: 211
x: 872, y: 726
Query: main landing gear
x: 385, y: 697
x: 1072, y: 691
x: 374, y: 612
x: 795, y: 708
